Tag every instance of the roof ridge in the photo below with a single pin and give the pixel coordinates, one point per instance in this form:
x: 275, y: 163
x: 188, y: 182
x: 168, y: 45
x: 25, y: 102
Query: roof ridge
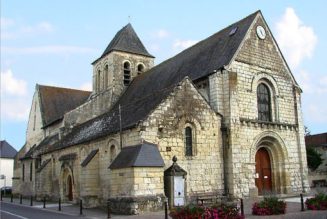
x: 63, y: 88
x: 204, y: 40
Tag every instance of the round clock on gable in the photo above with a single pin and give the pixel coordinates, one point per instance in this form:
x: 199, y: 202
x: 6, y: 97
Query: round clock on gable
x: 261, y: 32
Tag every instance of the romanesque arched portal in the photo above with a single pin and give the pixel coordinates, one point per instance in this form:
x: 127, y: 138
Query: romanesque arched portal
x: 270, y: 156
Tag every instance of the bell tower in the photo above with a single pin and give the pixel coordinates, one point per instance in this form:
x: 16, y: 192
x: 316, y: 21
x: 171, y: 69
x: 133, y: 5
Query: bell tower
x: 124, y: 59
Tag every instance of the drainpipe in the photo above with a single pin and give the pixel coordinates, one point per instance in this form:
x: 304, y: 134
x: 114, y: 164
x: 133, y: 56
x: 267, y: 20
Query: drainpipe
x: 225, y: 144
x: 298, y: 137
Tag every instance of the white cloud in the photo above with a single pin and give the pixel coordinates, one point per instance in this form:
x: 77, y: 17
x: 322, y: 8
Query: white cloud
x: 183, y: 44
x: 296, y: 40
x: 51, y: 49
x: 14, y: 101
x: 15, y: 109
x: 11, y: 30
x: 12, y: 85
x: 42, y: 27
x: 161, y: 34
x: 86, y: 86
x: 317, y: 113
x: 6, y: 22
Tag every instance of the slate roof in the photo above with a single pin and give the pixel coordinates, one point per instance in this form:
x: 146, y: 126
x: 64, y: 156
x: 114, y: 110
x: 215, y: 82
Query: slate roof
x: 56, y: 101
x: 152, y: 87
x: 142, y: 155
x: 43, y: 165
x: 44, y: 145
x: 6, y: 150
x: 126, y: 40
x: 89, y: 157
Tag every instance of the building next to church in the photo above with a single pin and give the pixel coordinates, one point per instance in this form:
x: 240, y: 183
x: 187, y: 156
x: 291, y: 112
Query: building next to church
x: 7, y: 156
x: 318, y: 142
x: 228, y: 108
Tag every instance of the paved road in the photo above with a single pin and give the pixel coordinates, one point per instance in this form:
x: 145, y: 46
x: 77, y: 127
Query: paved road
x: 15, y: 211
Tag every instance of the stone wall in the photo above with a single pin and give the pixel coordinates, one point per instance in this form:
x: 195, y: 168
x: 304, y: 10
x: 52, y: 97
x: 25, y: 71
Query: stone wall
x: 165, y: 127
x: 260, y: 61
x: 34, y: 132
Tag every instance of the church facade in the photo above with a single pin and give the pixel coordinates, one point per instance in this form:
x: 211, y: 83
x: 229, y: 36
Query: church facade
x: 228, y: 108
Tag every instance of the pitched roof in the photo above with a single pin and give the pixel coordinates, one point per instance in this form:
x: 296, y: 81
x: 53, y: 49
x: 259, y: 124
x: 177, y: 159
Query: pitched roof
x: 89, y: 157
x: 42, y: 146
x: 316, y: 140
x: 43, y: 165
x: 6, y: 150
x: 126, y: 40
x: 141, y: 155
x: 56, y: 101
x: 149, y: 89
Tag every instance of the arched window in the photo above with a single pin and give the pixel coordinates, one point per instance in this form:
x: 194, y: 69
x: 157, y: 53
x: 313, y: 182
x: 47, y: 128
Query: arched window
x: 105, y: 81
x: 98, y: 80
x: 112, y: 152
x: 23, y: 172
x: 264, y: 103
x: 127, y: 73
x: 140, y: 69
x: 188, y: 142
x: 31, y: 170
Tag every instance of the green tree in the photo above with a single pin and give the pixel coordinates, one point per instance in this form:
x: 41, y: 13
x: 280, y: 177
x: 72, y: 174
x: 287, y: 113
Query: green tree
x: 314, y: 158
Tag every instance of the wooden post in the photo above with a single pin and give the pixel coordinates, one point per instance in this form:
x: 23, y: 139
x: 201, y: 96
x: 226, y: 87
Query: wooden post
x: 80, y: 207
x: 44, y: 202
x: 59, y: 206
x: 108, y: 209
x: 166, y: 208
x: 242, y: 207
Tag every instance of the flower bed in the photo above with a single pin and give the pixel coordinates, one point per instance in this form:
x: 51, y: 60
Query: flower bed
x: 269, y: 206
x: 201, y: 212
x: 319, y: 202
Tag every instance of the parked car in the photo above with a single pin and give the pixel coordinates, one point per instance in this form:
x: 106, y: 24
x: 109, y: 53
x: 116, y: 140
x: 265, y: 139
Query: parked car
x: 6, y: 190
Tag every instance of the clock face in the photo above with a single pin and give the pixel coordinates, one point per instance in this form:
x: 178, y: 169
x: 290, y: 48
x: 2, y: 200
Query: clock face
x: 261, y: 32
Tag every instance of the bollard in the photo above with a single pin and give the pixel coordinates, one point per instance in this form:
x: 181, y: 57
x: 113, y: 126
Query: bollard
x: 31, y: 201
x: 108, y: 208
x: 59, y: 207
x: 1, y: 195
x: 20, y: 199
x: 80, y: 207
x: 166, y: 209
x: 11, y: 198
x: 44, y: 202
x: 242, y: 207
x: 302, y: 204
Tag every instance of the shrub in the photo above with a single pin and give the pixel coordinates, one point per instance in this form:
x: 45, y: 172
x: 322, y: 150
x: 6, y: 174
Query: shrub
x: 201, y: 212
x: 319, y: 202
x: 228, y: 212
x: 269, y: 206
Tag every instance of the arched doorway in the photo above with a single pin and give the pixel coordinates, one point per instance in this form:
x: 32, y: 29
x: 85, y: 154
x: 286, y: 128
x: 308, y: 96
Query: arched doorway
x: 66, y: 183
x: 263, y: 179
x: 70, y: 188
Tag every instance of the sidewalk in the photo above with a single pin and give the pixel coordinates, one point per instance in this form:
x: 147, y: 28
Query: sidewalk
x: 293, y: 210
x: 74, y: 210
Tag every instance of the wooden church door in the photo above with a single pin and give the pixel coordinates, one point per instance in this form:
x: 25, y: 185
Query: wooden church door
x: 70, y: 188
x: 263, y: 171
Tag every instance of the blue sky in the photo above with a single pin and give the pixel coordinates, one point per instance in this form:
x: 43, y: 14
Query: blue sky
x: 54, y: 42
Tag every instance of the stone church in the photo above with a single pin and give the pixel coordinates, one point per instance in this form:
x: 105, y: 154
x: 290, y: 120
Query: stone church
x: 228, y: 109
